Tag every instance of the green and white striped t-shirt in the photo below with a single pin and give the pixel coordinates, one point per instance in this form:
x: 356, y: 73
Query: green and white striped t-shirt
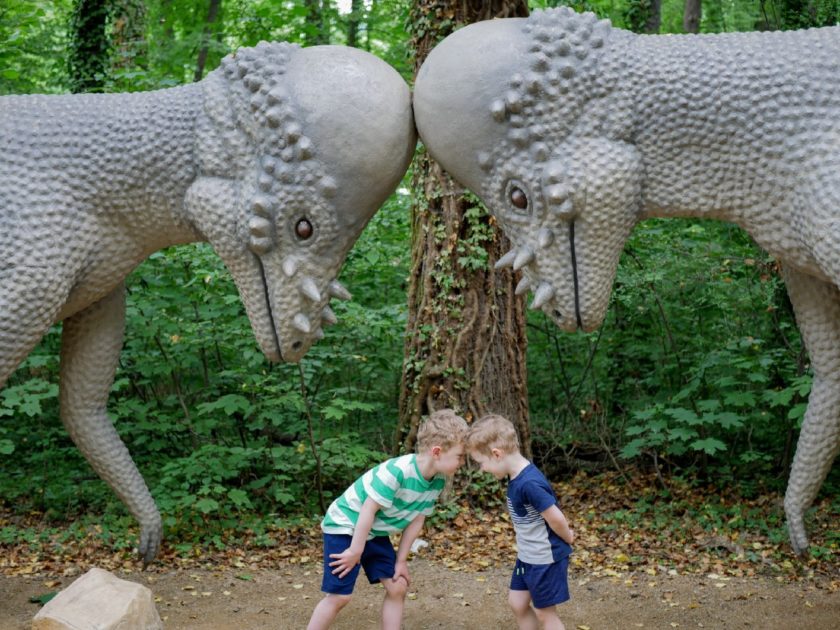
x: 397, y: 486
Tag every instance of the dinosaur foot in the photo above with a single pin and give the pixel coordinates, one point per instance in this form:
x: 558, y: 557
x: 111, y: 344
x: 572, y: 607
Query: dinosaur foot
x: 151, y: 533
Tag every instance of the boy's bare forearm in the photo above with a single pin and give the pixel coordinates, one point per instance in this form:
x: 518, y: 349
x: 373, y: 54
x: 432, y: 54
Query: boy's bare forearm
x: 408, y: 537
x: 366, y: 517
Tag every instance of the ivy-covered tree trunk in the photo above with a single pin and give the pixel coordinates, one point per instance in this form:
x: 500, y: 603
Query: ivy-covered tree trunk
x: 691, y: 16
x: 128, y: 31
x: 465, y: 339
x: 354, y: 19
x: 206, y: 36
x: 90, y: 46
x: 317, y: 24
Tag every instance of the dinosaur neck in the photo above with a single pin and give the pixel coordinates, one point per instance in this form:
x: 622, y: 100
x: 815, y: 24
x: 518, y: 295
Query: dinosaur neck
x: 711, y: 116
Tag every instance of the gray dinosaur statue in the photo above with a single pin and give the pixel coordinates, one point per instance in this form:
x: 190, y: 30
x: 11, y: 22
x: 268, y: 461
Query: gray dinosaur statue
x: 573, y: 131
x: 278, y: 158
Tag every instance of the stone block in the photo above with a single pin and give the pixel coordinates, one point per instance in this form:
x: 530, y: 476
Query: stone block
x: 100, y: 601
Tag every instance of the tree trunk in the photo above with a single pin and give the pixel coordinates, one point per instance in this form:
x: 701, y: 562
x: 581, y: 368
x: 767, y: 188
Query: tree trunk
x: 691, y: 16
x: 465, y: 339
x: 654, y: 18
x: 357, y: 9
x: 128, y: 32
x: 90, y: 46
x: 317, y: 31
x: 206, y: 36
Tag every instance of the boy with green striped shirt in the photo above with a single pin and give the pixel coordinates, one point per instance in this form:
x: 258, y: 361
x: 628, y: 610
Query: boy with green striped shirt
x: 395, y: 496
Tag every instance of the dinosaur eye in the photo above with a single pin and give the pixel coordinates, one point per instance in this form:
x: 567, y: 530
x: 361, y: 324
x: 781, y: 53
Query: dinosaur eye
x: 303, y: 229
x: 518, y: 198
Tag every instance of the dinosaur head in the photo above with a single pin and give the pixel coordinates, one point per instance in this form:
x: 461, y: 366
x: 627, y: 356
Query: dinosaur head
x: 528, y: 113
x: 298, y: 148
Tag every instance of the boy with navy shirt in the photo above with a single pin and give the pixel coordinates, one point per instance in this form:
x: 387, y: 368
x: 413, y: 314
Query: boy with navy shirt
x: 543, y: 536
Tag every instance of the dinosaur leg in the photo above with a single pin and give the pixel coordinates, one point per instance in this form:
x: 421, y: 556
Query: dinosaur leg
x: 91, y: 344
x: 29, y: 302
x: 817, y: 307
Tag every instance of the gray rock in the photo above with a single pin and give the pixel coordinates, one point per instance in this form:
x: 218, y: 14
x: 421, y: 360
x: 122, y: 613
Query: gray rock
x: 100, y: 601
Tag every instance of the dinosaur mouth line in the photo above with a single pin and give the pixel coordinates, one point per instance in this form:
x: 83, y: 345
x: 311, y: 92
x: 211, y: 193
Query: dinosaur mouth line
x: 267, y: 297
x: 575, y: 274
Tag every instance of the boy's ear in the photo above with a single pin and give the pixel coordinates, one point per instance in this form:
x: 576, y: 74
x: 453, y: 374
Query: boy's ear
x: 436, y: 450
x: 496, y: 453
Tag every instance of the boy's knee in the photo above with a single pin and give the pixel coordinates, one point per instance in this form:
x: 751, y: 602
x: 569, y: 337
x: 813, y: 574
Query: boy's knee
x: 395, y: 588
x: 544, y: 614
x: 338, y: 601
x: 519, y: 601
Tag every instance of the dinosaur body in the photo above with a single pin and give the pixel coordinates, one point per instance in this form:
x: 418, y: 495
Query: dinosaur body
x: 278, y: 159
x: 575, y: 131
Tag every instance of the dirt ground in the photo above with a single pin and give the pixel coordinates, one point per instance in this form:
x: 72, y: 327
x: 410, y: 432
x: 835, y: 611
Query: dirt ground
x: 246, y: 599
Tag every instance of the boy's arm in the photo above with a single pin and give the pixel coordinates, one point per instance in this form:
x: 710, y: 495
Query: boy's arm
x: 408, y: 537
x: 349, y: 558
x: 557, y: 521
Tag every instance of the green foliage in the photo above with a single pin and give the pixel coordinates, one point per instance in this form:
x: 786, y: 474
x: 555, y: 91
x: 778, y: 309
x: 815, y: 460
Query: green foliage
x: 698, y: 363
x: 33, y: 41
x: 698, y: 366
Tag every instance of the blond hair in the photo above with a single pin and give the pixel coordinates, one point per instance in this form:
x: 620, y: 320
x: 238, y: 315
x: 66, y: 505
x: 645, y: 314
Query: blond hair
x: 492, y: 431
x: 443, y: 428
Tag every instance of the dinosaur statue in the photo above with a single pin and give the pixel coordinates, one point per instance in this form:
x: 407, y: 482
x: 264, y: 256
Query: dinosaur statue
x: 572, y: 131
x: 278, y: 158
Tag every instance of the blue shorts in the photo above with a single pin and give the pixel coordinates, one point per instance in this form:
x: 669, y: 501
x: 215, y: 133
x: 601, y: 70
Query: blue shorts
x: 379, y: 561
x: 548, y: 584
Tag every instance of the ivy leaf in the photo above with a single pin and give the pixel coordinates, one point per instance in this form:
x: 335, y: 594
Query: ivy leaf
x: 682, y: 434
x: 229, y: 404
x: 740, y: 399
x: 684, y: 415
x: 207, y: 505
x: 708, y: 445
x: 239, y: 498
x: 633, y: 448
x: 728, y: 420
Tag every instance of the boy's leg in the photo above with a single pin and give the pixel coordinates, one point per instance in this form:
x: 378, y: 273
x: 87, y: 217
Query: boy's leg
x: 520, y: 603
x: 326, y: 611
x: 392, y: 607
x: 549, y: 619
x: 548, y: 586
x: 337, y: 590
x: 519, y: 599
x: 379, y: 561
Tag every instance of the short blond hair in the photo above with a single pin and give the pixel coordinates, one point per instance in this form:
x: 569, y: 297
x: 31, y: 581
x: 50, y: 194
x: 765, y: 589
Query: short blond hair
x: 443, y: 428
x: 492, y: 431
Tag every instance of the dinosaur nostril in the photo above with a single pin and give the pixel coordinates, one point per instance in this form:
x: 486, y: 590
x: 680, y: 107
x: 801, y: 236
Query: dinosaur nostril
x: 296, y: 345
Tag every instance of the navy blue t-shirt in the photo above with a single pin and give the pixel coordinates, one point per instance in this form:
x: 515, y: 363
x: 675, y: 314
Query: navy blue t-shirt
x: 528, y: 495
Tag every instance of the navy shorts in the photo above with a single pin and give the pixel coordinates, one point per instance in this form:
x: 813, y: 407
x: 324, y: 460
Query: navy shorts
x: 379, y: 561
x: 548, y: 584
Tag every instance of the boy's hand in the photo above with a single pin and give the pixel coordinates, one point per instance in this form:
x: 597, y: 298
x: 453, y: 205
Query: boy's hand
x: 344, y: 562
x: 401, y: 571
